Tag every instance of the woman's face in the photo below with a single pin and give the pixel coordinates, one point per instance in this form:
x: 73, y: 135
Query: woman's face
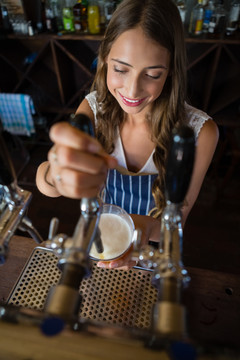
x: 137, y: 69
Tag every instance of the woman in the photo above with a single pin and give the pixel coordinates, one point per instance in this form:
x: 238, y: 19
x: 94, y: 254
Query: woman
x: 138, y: 97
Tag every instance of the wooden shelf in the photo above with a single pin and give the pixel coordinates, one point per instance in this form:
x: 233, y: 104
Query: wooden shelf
x: 61, y: 74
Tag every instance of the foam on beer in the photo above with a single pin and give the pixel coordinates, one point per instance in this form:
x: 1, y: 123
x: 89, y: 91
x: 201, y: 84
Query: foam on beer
x: 116, y: 236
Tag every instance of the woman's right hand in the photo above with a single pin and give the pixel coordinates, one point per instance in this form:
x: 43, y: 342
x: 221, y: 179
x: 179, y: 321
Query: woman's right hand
x: 78, y: 164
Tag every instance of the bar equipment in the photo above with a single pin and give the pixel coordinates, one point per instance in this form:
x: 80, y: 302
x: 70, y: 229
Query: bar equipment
x: 170, y: 277
x: 161, y: 316
x: 14, y: 204
x: 64, y: 299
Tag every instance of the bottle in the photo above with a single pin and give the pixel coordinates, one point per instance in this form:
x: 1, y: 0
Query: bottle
x: 93, y: 17
x: 5, y: 24
x: 51, y: 16
x: 43, y: 15
x: 233, y: 18
x: 77, y: 9
x: 68, y: 19
x: 196, y: 20
x: 207, y: 15
x: 39, y: 26
x: 80, y: 16
x: 109, y: 8
x: 182, y: 9
x: 56, y: 6
x: 218, y: 21
x: 101, y: 4
x: 84, y: 16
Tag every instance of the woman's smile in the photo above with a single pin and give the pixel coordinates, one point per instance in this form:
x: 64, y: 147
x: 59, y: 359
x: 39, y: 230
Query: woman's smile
x: 131, y: 102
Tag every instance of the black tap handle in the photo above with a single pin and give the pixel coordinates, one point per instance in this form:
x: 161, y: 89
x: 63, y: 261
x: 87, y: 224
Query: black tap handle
x: 180, y: 164
x: 7, y: 172
x: 83, y: 123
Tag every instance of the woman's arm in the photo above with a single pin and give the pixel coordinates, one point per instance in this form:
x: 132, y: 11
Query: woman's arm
x: 205, y: 148
x: 77, y: 164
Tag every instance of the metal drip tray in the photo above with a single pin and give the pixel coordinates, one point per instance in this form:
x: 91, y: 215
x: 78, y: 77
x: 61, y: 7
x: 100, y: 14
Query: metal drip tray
x: 118, y: 297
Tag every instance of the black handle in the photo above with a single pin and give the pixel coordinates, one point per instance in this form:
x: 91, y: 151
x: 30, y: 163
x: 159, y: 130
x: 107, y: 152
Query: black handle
x: 83, y: 123
x: 7, y: 172
x: 180, y: 164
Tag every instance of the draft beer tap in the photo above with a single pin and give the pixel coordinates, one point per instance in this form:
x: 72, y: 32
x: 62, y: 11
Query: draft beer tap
x: 64, y: 299
x: 14, y: 204
x: 170, y: 277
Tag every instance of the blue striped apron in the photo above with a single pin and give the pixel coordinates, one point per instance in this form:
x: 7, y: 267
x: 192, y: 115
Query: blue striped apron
x: 133, y: 193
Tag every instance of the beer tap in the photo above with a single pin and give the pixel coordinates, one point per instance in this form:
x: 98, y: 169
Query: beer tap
x: 170, y: 276
x: 14, y: 204
x: 64, y: 299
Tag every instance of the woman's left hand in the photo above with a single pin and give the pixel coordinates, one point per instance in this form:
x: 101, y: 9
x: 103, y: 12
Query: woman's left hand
x: 124, y: 263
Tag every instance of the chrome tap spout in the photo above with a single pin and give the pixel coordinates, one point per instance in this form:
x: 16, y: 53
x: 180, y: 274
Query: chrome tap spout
x: 14, y: 204
x: 170, y: 276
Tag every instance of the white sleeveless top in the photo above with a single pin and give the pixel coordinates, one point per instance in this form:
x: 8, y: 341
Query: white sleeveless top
x: 196, y: 119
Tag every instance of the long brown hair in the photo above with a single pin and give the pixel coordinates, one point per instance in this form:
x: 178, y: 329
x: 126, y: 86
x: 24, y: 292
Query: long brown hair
x: 160, y: 21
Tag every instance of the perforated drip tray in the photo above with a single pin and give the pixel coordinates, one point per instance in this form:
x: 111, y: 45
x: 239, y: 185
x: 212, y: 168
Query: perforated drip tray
x: 118, y: 297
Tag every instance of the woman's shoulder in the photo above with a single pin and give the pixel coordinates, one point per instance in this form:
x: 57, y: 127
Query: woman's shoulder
x: 92, y: 100
x: 196, y: 118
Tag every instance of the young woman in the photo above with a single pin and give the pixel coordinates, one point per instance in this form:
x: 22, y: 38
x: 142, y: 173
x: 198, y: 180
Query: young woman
x: 137, y: 98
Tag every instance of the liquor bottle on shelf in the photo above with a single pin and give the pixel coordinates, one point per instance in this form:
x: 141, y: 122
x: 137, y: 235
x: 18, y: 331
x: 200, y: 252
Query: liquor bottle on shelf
x: 77, y: 9
x: 68, y: 19
x: 43, y: 16
x: 233, y: 18
x: 218, y: 21
x: 101, y: 4
x: 84, y: 16
x: 57, y: 10
x: 182, y: 9
x: 109, y: 8
x: 52, y: 16
x: 93, y: 17
x: 80, y: 16
x: 207, y: 15
x: 5, y: 24
x: 196, y: 19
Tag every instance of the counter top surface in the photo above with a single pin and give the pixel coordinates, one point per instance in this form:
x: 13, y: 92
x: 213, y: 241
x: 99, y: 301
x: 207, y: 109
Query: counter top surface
x: 212, y: 299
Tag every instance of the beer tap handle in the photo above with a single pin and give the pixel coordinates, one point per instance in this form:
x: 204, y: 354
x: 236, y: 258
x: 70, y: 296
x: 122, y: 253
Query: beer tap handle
x: 170, y: 276
x: 64, y: 299
x: 180, y: 164
x: 178, y: 175
x: 83, y: 123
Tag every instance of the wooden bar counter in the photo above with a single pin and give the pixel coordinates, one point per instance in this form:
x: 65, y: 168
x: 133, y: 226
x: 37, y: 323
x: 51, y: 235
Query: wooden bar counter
x: 212, y: 301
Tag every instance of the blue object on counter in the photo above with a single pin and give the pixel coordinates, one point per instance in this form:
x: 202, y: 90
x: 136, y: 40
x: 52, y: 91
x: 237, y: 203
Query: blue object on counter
x: 182, y: 351
x: 52, y: 326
